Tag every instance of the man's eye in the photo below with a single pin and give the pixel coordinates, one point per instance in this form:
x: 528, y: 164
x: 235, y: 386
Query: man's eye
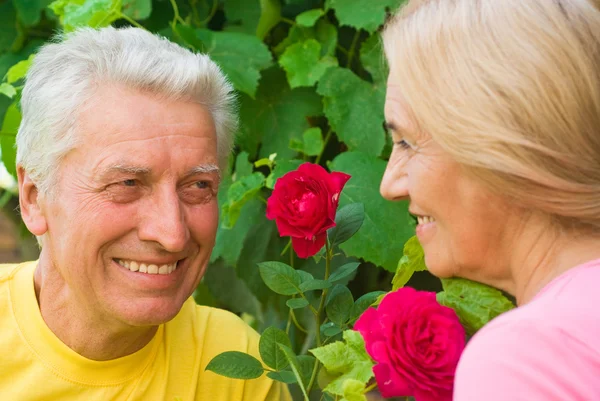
x: 202, y: 184
x: 129, y: 183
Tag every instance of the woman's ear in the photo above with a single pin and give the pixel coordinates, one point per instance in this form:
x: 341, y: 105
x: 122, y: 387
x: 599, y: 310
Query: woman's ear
x: 29, y: 202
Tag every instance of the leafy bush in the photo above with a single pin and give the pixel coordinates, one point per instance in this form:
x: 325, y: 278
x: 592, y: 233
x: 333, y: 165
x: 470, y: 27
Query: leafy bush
x: 311, y: 81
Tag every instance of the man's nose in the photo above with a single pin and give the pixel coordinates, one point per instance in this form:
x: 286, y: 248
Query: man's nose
x: 164, y: 221
x: 394, y: 184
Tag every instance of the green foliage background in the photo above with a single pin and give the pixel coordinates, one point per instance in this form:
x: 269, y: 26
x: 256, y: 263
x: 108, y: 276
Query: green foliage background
x: 311, y: 81
x: 310, y: 76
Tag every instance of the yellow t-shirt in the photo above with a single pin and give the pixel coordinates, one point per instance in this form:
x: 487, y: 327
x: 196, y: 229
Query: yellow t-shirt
x: 36, y: 365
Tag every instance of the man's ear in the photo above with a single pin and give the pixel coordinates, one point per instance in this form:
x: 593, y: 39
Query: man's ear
x: 29, y: 199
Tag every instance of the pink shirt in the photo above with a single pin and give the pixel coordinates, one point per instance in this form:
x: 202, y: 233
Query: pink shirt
x: 546, y: 350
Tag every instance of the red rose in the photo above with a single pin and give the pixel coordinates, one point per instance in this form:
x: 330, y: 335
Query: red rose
x: 303, y: 205
x: 416, y: 343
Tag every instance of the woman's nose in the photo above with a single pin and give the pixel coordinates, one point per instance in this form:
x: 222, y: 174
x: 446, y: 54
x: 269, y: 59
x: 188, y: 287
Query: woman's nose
x: 394, y: 184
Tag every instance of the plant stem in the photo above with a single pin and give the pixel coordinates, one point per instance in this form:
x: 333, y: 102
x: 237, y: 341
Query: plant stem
x: 325, y: 142
x: 213, y: 11
x: 352, y: 48
x: 293, y: 315
x: 131, y: 21
x: 288, y: 21
x: 328, y: 256
x: 371, y: 387
x: 286, y: 247
x: 176, y: 17
x: 289, y: 323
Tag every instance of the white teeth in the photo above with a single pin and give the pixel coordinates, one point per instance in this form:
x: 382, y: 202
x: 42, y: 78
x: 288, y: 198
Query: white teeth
x: 148, y: 268
x: 425, y: 219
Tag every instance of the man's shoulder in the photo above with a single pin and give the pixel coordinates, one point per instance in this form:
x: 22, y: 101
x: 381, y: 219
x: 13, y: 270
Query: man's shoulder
x: 8, y: 271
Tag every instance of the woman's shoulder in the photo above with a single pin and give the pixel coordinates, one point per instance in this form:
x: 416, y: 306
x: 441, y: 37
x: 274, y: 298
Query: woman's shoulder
x: 548, y: 347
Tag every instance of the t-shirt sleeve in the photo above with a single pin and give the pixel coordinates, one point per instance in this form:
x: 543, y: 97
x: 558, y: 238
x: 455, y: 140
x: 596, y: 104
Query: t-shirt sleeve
x: 527, y: 361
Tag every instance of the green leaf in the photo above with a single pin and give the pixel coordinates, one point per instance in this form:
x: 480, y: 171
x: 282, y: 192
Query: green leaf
x: 242, y: 166
x: 19, y: 70
x: 412, y: 261
x: 339, y: 304
x: 343, y: 272
x: 296, y: 303
x: 384, y: 220
x: 349, y: 359
x: 282, y: 168
x: 285, y: 376
x: 10, y: 126
x: 306, y: 364
x: 270, y: 353
x: 230, y: 241
x: 372, y: 13
x: 240, y: 192
x: 354, y: 108
x: 373, y: 59
x: 303, y: 63
x: 278, y: 115
x: 280, y: 278
x: 236, y: 365
x: 242, y: 15
x: 313, y: 141
x: 324, y: 32
x: 309, y: 18
x: 231, y: 291
x: 7, y: 90
x: 353, y: 390
x: 474, y: 303
x: 241, y: 57
x: 295, y: 366
x: 363, y: 303
x: 314, y: 284
x: 348, y: 221
x: 270, y: 15
x: 330, y: 329
x: 30, y: 11
x: 8, y: 27
x: 137, y: 9
x: 95, y: 14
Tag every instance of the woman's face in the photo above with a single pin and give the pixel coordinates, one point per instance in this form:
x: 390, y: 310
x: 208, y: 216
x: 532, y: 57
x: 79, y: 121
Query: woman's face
x: 464, y: 229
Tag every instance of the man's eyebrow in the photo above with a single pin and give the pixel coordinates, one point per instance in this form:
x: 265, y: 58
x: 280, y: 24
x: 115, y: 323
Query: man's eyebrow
x: 203, y: 169
x: 126, y: 169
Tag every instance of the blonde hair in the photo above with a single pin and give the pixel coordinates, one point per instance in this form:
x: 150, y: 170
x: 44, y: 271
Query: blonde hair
x: 511, y: 90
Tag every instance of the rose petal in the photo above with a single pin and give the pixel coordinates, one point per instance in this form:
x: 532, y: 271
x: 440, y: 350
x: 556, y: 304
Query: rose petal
x: 430, y: 396
x: 338, y: 180
x: 389, y: 383
x: 305, y: 248
x: 286, y: 229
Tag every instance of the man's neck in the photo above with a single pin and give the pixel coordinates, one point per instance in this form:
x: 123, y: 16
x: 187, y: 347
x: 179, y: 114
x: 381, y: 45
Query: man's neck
x: 77, y: 327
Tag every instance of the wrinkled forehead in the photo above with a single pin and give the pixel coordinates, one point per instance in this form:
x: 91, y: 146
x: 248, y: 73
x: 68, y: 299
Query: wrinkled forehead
x: 397, y: 110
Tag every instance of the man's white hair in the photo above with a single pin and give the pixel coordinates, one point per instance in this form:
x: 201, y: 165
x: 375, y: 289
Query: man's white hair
x: 66, y: 73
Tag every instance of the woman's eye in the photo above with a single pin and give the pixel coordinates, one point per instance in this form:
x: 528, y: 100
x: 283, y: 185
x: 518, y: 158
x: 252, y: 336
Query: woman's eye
x: 403, y: 144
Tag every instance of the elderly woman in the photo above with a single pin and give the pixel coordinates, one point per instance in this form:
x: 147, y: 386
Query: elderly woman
x: 494, y: 109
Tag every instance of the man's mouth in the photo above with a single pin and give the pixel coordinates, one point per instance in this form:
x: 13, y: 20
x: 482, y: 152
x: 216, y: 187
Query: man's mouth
x: 148, y: 268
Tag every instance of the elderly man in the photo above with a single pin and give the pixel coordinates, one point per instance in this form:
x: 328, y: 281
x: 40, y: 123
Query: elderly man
x: 118, y: 163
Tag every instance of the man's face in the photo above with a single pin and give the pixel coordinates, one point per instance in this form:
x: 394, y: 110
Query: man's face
x: 137, y: 193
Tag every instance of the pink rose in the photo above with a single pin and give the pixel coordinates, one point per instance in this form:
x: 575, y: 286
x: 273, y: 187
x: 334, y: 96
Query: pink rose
x: 416, y: 343
x: 303, y: 205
